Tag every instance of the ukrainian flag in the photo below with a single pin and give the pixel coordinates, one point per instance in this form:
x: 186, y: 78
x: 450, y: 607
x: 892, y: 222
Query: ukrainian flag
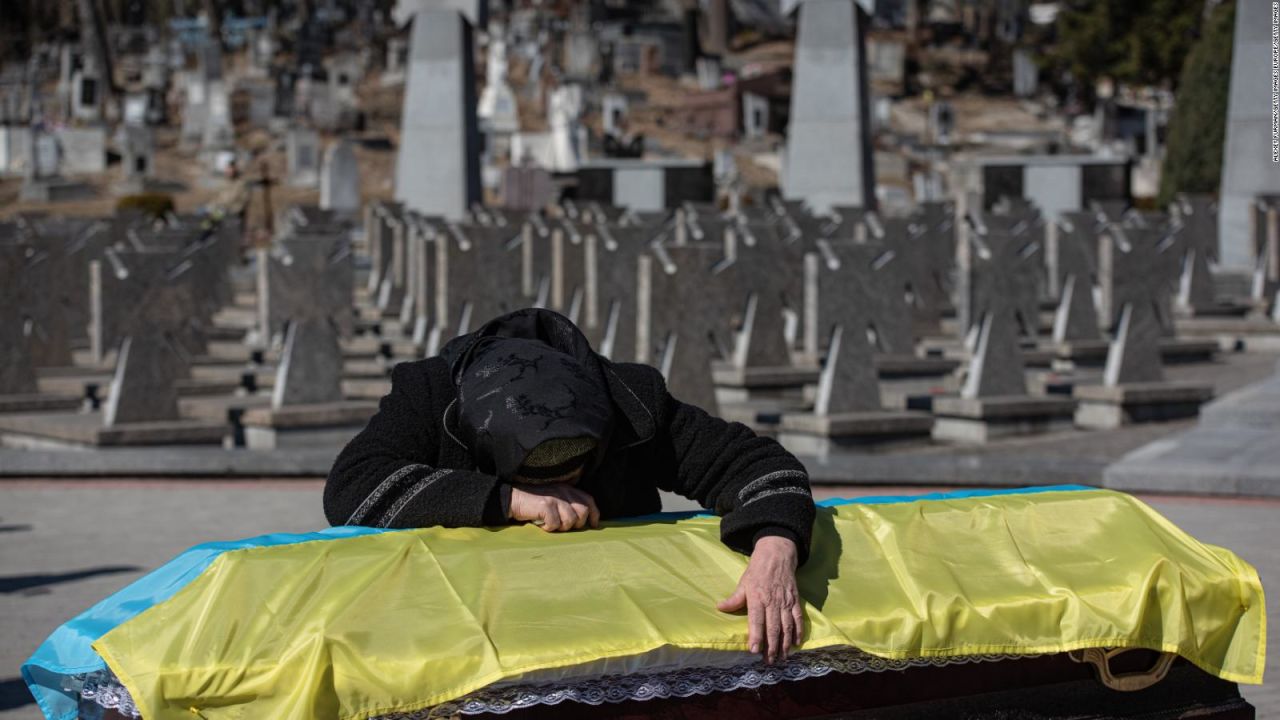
x: 358, y: 622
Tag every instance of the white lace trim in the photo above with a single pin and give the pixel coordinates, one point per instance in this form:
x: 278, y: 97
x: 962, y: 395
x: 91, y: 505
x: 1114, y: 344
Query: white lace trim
x: 102, y: 688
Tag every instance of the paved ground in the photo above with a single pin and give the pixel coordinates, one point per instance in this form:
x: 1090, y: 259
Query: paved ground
x: 66, y: 544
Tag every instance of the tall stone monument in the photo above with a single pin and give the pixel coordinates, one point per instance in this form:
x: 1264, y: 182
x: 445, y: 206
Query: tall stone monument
x: 829, y: 156
x: 438, y: 167
x: 1248, y: 161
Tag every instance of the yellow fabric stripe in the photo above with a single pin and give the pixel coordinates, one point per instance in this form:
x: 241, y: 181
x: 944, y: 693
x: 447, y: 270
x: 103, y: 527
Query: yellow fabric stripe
x: 399, y: 621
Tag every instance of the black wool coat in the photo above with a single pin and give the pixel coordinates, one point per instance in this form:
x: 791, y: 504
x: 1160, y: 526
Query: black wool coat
x: 409, y: 467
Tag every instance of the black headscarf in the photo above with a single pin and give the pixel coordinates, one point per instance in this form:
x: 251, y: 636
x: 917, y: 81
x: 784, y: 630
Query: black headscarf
x: 523, y: 379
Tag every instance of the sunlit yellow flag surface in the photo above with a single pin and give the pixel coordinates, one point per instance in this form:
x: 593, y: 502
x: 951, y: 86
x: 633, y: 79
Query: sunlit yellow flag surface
x: 402, y: 620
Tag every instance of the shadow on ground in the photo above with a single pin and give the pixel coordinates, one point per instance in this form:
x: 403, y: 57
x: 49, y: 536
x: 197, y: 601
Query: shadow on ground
x: 26, y: 584
x: 14, y: 694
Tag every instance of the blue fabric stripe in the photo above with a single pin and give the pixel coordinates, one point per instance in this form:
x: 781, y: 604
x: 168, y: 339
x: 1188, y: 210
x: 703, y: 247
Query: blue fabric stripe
x: 68, y: 650
x: 883, y: 500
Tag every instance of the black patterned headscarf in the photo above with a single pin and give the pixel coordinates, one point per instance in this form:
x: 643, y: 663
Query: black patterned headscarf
x: 527, y: 382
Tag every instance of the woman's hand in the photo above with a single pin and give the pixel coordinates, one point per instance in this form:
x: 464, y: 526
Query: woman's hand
x: 775, y: 618
x: 557, y: 507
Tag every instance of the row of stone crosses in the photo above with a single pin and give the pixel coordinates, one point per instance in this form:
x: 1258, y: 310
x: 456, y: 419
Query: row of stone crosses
x: 741, y: 310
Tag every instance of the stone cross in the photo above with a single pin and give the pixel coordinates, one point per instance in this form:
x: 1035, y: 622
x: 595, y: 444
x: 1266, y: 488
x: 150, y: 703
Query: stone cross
x: 143, y: 387
x: 1134, y: 354
x: 568, y: 270
x: 925, y: 243
x: 680, y: 326
x: 1137, y: 263
x: 378, y: 219
x: 422, y: 257
x: 860, y: 288
x: 17, y: 372
x: 1196, y: 215
x: 306, y: 275
x: 310, y: 369
x: 996, y: 367
x: 479, y: 278
x: 609, y: 314
x: 1000, y: 265
x: 152, y: 354
x: 142, y: 289
x: 848, y: 381
x: 1072, y: 251
x: 776, y: 256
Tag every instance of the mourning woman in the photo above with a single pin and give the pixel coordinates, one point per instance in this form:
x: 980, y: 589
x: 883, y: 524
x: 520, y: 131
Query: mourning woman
x: 521, y: 422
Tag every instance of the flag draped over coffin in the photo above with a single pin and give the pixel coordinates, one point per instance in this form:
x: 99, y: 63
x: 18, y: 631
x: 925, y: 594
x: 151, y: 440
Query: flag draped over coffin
x: 358, y: 622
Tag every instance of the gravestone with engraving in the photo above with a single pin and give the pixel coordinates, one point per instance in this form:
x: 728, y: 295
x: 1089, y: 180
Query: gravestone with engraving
x: 302, y: 152
x: 340, y: 179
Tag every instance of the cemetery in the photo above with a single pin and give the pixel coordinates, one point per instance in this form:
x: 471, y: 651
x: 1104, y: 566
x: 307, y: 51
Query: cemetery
x: 893, y: 237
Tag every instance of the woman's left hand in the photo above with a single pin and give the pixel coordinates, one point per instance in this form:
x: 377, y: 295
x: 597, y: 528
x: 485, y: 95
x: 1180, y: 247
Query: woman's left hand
x: 775, y: 617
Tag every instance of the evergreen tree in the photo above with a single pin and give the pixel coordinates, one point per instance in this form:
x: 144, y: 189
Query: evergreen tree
x: 1193, y: 160
x: 1139, y: 42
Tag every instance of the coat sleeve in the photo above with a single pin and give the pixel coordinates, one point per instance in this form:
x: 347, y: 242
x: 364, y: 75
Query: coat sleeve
x: 752, y: 482
x: 384, y: 477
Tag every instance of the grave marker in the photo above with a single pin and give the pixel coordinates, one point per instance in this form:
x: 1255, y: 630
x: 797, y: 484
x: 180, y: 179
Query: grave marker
x: 340, y: 179
x: 829, y: 154
x: 438, y: 165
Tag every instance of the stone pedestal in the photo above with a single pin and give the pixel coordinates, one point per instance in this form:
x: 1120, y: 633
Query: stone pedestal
x: 1093, y: 353
x: 1082, y: 353
x: 1187, y: 350
x: 37, y: 402
x: 820, y: 435
x: 894, y: 366
x: 739, y: 384
x: 1113, y: 406
x: 79, y: 430
x: 980, y: 420
x: 311, y: 425
x: 51, y: 190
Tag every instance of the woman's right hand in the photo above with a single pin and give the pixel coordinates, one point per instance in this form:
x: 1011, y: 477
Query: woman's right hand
x: 557, y: 507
